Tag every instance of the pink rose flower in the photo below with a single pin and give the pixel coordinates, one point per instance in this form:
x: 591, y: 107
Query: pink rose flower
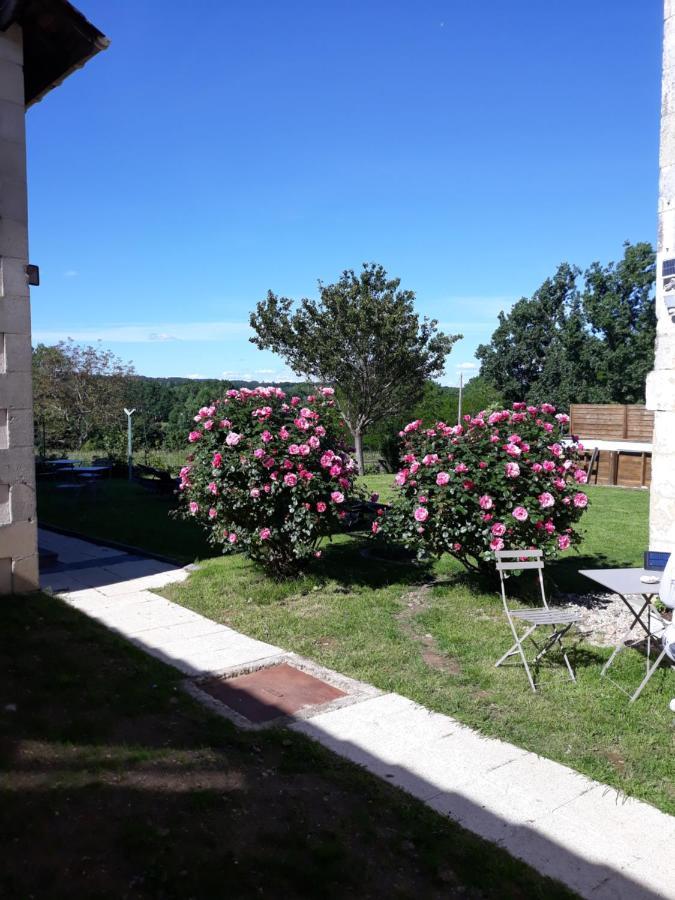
x: 520, y: 513
x: 213, y: 513
x: 546, y: 500
x: 421, y: 514
x: 265, y: 534
x: 580, y: 500
x: 498, y: 529
x: 233, y: 439
x: 290, y: 479
x: 375, y: 527
x: 259, y: 453
x: 485, y: 502
x: 194, y: 507
x: 321, y: 507
x: 266, y: 437
x: 548, y: 465
x: 294, y: 450
x: 305, y: 449
x: 564, y: 541
x: 460, y: 468
x: 232, y: 537
x: 496, y: 544
x: 400, y: 478
x: 314, y: 442
x: 255, y: 493
x: 213, y: 488
x: 512, y: 470
x: 217, y: 460
x: 580, y: 476
x: 442, y: 478
x: 194, y: 436
x: 337, y: 497
x: 512, y: 449
x: 284, y: 433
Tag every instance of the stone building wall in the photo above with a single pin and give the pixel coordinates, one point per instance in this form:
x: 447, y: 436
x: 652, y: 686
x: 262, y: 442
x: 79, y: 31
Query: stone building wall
x: 18, y: 527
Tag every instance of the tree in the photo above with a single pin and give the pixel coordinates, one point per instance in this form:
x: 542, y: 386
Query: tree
x: 361, y: 337
x: 79, y: 392
x: 618, y: 303
x: 565, y: 345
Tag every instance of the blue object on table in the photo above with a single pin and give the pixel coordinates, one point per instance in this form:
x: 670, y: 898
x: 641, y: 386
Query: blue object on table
x: 656, y: 560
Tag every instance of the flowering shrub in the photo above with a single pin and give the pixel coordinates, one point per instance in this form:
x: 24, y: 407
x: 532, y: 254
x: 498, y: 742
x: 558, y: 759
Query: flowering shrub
x: 502, y: 480
x: 267, y: 475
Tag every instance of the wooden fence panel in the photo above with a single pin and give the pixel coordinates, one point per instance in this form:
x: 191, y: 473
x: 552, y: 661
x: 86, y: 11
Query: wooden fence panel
x: 611, y: 422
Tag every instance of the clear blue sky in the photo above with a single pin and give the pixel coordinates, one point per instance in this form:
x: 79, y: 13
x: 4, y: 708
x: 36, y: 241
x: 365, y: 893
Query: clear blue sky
x: 221, y: 148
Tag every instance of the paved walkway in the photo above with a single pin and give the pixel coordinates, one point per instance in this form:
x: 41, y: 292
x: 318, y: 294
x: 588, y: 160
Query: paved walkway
x: 600, y: 844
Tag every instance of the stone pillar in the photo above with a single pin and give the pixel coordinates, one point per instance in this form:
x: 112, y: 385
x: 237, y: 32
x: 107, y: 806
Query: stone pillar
x: 18, y: 527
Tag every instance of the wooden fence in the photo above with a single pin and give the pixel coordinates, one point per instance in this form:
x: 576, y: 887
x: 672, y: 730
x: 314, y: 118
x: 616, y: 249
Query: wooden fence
x: 609, y: 422
x: 618, y: 432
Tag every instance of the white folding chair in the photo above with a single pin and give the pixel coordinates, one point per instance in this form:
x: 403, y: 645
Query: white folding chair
x: 558, y: 621
x: 667, y: 598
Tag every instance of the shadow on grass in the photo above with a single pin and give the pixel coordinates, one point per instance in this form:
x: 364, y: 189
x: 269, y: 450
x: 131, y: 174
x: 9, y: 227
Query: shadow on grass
x: 344, y: 563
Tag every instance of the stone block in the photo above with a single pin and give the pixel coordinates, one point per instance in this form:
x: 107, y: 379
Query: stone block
x: 11, y: 81
x: 660, y: 390
x: 15, y: 390
x: 13, y: 239
x: 12, y: 162
x: 19, y: 539
x: 14, y: 288
x: 11, y: 45
x: 14, y: 315
x: 22, y: 502
x: 20, y: 428
x: 18, y: 353
x: 17, y: 466
x: 14, y: 202
x: 5, y: 575
x: 5, y: 513
x: 4, y: 430
x: 12, y: 122
x: 25, y: 574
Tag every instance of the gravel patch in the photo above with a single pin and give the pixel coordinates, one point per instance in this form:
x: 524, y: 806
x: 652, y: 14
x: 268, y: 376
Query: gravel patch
x: 605, y: 618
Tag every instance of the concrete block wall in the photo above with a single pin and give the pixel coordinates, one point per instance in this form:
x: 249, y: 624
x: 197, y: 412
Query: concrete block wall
x: 18, y: 527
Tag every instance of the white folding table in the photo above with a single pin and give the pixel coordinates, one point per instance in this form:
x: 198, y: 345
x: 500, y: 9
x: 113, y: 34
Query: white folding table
x: 627, y: 582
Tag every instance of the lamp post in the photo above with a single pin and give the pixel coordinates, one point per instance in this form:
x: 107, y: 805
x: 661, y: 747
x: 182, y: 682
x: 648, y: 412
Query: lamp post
x: 129, y: 413
x: 459, y: 399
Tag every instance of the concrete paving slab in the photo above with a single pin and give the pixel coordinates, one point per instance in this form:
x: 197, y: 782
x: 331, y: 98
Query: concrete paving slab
x: 147, y: 582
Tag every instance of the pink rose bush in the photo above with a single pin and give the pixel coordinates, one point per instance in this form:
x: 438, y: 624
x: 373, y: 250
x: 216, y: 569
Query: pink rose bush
x: 267, y: 475
x: 499, y: 481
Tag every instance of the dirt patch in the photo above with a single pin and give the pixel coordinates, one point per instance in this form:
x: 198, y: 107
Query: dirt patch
x: 416, y: 602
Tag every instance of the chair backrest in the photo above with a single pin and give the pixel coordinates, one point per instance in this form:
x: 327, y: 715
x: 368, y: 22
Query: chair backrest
x: 515, y: 560
x: 667, y: 587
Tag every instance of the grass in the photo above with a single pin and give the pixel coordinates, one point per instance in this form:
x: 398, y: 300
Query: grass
x: 123, y: 511
x: 113, y: 783
x: 352, y: 614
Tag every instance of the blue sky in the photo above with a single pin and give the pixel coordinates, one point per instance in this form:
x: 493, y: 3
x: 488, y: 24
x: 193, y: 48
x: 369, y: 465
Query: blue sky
x: 219, y: 148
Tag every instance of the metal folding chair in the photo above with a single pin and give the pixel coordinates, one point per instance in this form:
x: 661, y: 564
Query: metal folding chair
x: 558, y: 621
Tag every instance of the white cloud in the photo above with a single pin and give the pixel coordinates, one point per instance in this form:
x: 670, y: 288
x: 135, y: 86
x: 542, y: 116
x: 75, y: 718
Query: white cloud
x: 467, y: 366
x: 71, y: 273
x: 146, y: 334
x: 195, y: 375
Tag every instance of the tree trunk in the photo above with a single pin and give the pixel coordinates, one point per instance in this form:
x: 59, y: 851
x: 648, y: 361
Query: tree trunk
x: 358, y: 450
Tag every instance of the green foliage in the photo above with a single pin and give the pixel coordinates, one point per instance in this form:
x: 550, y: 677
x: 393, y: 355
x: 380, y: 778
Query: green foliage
x: 78, y: 394
x: 363, y: 337
x: 268, y: 477
x: 499, y: 481
x: 572, y: 345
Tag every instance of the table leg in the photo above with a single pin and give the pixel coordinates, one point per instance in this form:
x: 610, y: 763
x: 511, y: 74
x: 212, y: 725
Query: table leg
x: 636, y: 618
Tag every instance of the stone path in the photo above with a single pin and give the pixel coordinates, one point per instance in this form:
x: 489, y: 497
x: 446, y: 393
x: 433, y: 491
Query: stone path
x: 565, y: 825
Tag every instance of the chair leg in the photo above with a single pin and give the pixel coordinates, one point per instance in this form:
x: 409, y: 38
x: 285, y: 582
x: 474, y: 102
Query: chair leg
x: 649, y: 674
x: 515, y: 648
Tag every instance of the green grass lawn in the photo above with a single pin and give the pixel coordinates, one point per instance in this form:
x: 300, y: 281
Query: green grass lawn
x: 113, y: 783
x: 118, y: 510
x: 353, y: 614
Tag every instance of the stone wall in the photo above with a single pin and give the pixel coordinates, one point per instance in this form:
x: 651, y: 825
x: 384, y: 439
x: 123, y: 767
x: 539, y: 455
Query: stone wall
x: 18, y: 528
